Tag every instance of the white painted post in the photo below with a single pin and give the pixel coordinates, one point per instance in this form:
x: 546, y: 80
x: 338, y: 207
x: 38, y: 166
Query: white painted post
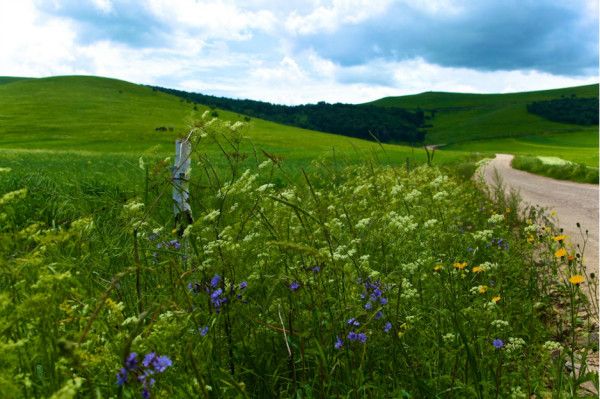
x: 181, y: 177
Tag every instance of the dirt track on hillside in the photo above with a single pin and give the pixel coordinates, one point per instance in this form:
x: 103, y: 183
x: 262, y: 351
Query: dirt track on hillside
x: 573, y: 202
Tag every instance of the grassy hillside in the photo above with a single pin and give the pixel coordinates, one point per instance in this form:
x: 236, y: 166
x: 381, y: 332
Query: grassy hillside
x: 465, y: 117
x: 91, y: 114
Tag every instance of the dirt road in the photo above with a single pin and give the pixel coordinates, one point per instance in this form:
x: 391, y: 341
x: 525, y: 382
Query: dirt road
x: 573, y: 202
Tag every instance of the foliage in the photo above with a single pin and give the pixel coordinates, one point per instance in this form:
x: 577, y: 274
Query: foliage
x: 579, y: 111
x: 349, y: 281
x: 364, y: 121
x: 568, y: 171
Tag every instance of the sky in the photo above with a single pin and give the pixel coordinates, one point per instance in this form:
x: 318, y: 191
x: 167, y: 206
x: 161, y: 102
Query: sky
x: 295, y: 52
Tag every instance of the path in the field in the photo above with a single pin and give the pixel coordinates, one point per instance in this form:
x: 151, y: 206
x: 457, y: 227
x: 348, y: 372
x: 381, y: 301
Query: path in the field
x: 573, y: 202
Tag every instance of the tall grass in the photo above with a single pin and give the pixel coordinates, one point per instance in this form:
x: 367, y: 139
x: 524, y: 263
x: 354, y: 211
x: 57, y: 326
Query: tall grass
x: 336, y: 281
x: 568, y: 171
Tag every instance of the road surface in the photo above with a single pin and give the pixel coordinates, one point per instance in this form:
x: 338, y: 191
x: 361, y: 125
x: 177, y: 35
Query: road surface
x: 573, y: 202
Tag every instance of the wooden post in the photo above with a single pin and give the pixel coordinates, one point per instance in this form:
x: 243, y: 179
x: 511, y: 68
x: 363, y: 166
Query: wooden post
x: 181, y: 190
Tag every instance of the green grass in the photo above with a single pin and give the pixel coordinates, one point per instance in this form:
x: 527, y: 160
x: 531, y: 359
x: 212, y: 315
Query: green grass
x: 581, y: 147
x: 464, y: 117
x: 563, y: 171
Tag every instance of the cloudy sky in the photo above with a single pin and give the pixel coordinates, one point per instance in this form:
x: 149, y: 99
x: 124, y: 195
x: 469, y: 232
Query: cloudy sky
x: 307, y: 51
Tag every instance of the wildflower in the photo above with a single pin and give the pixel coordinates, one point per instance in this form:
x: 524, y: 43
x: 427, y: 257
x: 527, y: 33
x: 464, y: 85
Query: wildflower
x: 353, y: 322
x: 294, y: 286
x: 387, y: 327
x: 122, y: 377
x: 378, y: 315
x: 483, y: 289
x: 498, y: 343
x: 561, y: 252
x: 338, y: 343
x: 460, y: 266
x: 215, y: 281
x: 477, y: 269
x: 576, y: 279
x: 438, y: 268
x: 360, y: 337
x: 243, y: 285
x: 368, y: 306
x: 174, y: 244
x: 204, y: 331
x: 560, y: 238
x: 496, y: 298
x: 316, y: 269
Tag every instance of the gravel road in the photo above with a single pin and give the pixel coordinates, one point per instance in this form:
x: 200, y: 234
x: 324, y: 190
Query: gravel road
x: 573, y: 202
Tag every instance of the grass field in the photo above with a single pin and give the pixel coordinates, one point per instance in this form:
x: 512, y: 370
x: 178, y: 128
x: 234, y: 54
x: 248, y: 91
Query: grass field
x: 465, y: 117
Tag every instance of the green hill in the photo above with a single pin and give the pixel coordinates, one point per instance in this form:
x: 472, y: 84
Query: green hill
x: 101, y: 115
x: 459, y: 117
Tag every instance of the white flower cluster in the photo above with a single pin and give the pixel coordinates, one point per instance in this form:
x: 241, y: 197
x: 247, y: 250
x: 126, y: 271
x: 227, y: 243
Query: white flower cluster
x: 496, y: 218
x: 500, y: 324
x: 412, y: 196
x: 514, y: 345
x: 483, y: 235
x: 552, y: 346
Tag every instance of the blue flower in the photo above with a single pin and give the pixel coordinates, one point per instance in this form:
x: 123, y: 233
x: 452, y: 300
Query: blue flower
x: 387, y: 327
x: 498, y: 343
x: 316, y: 269
x: 383, y: 300
x: 360, y: 337
x: 215, y: 281
x: 149, y: 358
x: 161, y: 363
x: 204, y: 331
x: 243, y: 285
x: 131, y: 361
x: 353, y: 322
x: 368, y: 306
x: 174, y: 244
x: 122, y: 376
x: 338, y: 343
x: 294, y: 286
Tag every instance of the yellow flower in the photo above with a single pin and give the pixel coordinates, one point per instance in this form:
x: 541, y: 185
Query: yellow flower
x: 560, y: 253
x: 507, y: 210
x: 560, y: 237
x: 530, y: 238
x: 483, y: 289
x: 576, y: 279
x: 477, y: 269
x: 496, y: 298
x: 459, y: 266
x: 438, y: 268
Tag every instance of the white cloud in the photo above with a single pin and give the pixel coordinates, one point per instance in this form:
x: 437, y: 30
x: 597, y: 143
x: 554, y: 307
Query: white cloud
x: 328, y: 18
x: 223, y: 20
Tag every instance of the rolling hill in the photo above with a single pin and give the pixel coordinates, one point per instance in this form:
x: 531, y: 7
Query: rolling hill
x: 491, y: 123
x: 99, y: 115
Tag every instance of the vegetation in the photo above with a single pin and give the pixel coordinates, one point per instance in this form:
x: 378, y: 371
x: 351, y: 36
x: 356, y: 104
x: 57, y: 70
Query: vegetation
x: 365, y: 122
x: 579, y: 111
x: 463, y: 117
x: 566, y: 171
x: 346, y: 281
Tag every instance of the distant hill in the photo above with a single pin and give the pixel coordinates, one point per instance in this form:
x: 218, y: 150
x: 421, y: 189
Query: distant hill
x: 388, y: 125
x: 10, y: 79
x: 461, y: 117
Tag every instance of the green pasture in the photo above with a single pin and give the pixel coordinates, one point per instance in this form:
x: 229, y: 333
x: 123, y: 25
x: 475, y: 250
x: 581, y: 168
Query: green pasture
x: 461, y: 117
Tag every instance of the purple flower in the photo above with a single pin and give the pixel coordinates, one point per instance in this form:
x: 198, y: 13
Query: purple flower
x: 294, y: 286
x: 316, y: 269
x: 122, y: 376
x: 161, y: 363
x: 174, y: 244
x: 131, y: 361
x: 145, y: 393
x: 498, y: 343
x: 387, y: 327
x: 368, y: 306
x: 243, y: 285
x: 204, y: 331
x: 353, y: 322
x: 383, y: 300
x: 360, y: 337
x: 378, y: 315
x: 215, y: 281
x: 148, y: 359
x: 338, y: 343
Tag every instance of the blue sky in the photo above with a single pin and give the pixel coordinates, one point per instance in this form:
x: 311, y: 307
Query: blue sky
x: 307, y: 51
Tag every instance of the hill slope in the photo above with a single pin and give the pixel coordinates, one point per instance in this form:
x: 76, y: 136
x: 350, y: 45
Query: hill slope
x: 92, y: 114
x: 458, y: 117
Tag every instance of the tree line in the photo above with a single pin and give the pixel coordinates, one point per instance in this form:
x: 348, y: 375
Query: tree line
x: 579, y: 111
x: 360, y: 121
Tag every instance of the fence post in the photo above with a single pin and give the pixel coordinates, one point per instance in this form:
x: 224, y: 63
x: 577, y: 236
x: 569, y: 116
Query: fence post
x: 181, y: 191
